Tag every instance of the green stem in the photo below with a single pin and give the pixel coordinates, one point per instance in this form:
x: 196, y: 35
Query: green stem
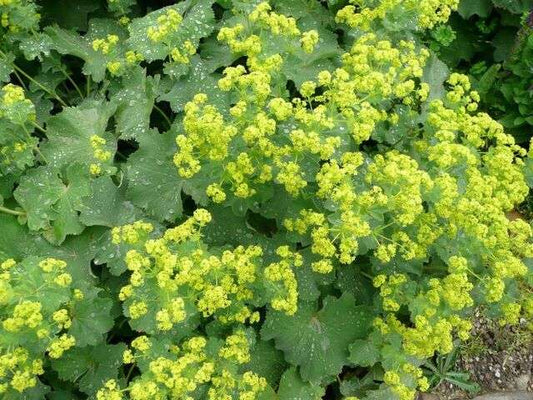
x: 129, y: 372
x: 366, y: 275
x: 39, y: 127
x: 36, y: 147
x: 39, y: 84
x: 71, y: 81
x: 50, y: 92
x: 167, y: 119
x: 11, y: 212
x: 20, y: 80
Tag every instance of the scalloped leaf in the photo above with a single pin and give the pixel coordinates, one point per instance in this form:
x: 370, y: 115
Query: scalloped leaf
x: 90, y: 366
x: 135, y: 101
x: 291, y: 387
x: 198, y: 22
x: 92, y: 317
x: 52, y: 203
x: 69, y: 134
x: 154, y: 183
x: 317, y: 341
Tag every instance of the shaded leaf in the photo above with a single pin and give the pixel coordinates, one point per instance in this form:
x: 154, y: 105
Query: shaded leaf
x: 317, y: 341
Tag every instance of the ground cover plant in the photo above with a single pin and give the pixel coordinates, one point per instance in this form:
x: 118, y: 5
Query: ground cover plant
x: 234, y: 199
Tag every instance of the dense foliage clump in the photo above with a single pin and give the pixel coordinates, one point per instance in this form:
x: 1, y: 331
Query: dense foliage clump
x: 250, y: 200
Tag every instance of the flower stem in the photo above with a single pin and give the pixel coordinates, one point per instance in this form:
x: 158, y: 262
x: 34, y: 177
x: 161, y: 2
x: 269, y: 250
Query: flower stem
x: 11, y: 212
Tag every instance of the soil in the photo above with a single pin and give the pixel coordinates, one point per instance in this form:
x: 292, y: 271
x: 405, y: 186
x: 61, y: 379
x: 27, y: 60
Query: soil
x: 498, y: 359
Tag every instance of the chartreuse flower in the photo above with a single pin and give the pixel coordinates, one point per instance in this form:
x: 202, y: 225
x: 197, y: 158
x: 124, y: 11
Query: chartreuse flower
x: 196, y: 362
x: 18, y: 17
x: 382, y: 177
x: 426, y: 13
x: 24, y: 314
x: 407, y: 203
x: 198, y: 282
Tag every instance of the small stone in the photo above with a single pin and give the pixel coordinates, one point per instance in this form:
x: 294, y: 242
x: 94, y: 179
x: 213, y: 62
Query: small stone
x: 506, y: 396
x: 522, y: 381
x: 428, y: 396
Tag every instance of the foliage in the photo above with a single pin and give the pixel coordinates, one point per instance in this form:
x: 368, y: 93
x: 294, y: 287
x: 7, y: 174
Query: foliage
x: 246, y: 200
x: 491, y: 41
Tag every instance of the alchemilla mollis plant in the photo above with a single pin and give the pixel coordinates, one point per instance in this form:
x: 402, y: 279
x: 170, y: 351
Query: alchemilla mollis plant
x: 237, y: 199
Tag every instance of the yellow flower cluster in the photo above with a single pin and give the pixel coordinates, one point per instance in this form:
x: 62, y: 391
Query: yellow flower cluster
x: 105, y: 45
x: 23, y: 317
x: 10, y: 16
x: 205, y: 133
x: 110, y: 391
x: 279, y: 24
x: 282, y: 275
x: 374, y: 69
x: 194, y: 363
x: 12, y: 94
x: 131, y: 234
x: 58, y: 346
x: 14, y: 105
x: 391, y: 290
x: 99, y: 153
x: 397, y: 381
x: 309, y: 40
x: 425, y: 13
x: 21, y: 368
x: 182, y: 56
x: 167, y: 23
x: 197, y: 282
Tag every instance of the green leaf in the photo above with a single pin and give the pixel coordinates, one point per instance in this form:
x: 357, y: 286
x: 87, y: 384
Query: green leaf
x: 35, y: 45
x: 15, y: 162
x: 90, y: 366
x: 198, y: 22
x: 310, y: 14
x: 78, y: 251
x: 435, y: 73
x: 69, y: 42
x: 154, y: 183
x: 6, y: 67
x: 352, y: 281
x: 199, y: 80
x: 28, y: 281
x: 474, y: 7
x: 69, y: 134
x: 364, y: 353
x: 266, y: 361
x: 291, y: 387
x: 227, y: 228
x: 513, y: 6
x: 504, y: 42
x: 91, y: 317
x: 107, y: 205
x: 317, y: 341
x: 135, y: 102
x: 488, y: 79
x: 74, y: 16
x: 52, y: 204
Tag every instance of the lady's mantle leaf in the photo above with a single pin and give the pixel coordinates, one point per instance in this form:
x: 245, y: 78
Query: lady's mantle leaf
x: 90, y: 366
x: 135, y: 101
x: 291, y: 387
x: 198, y: 22
x: 317, y: 341
x: 154, y: 183
x: 91, y: 318
x: 107, y: 205
x: 52, y: 203
x: 69, y: 134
